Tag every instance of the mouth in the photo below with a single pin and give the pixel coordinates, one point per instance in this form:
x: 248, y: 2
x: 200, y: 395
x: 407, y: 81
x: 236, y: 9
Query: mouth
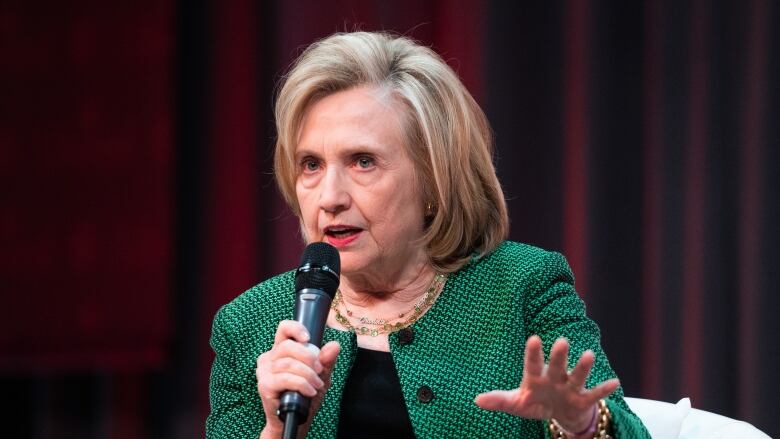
x: 340, y: 236
x: 341, y: 232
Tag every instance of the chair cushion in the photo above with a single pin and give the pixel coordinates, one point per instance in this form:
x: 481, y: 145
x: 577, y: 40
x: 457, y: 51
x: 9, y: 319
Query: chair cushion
x: 662, y: 419
x: 671, y: 421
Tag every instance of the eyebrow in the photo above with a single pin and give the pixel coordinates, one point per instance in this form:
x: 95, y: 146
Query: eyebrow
x: 347, y: 151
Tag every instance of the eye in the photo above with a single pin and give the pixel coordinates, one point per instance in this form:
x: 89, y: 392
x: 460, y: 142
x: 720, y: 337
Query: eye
x: 365, y: 162
x: 310, y: 165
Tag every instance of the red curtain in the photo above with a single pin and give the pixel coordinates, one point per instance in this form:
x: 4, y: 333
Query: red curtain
x: 87, y: 174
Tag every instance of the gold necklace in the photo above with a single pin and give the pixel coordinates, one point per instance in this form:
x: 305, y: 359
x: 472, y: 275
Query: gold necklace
x: 382, y: 321
x: 386, y: 326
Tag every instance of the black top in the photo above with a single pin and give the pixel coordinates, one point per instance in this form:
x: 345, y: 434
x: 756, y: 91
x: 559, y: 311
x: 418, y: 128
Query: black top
x: 373, y: 404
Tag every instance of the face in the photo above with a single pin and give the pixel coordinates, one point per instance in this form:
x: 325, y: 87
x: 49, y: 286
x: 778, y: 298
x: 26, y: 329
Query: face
x: 356, y: 184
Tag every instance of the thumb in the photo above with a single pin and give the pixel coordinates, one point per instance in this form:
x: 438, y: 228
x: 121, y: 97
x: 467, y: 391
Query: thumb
x: 497, y: 400
x: 328, y: 356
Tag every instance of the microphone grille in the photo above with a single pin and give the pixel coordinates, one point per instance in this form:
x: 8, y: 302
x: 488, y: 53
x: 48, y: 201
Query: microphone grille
x: 320, y: 254
x: 320, y: 268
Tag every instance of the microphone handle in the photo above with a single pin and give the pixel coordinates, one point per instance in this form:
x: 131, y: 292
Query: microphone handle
x: 290, y: 426
x: 311, y: 310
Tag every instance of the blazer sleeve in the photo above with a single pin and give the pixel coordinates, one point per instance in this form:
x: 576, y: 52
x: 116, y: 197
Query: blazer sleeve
x: 555, y: 310
x: 236, y: 411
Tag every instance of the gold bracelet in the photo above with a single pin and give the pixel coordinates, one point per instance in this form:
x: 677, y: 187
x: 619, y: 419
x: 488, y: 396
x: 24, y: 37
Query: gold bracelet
x: 602, y: 426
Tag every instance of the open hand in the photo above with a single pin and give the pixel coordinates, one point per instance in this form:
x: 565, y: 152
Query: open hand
x: 549, y: 390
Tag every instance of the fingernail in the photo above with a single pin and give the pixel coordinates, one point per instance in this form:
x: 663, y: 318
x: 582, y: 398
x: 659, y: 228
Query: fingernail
x: 305, y: 335
x: 318, y: 367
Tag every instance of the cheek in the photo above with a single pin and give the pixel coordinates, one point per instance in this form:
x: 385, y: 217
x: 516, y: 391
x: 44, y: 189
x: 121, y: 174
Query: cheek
x: 308, y: 228
x: 307, y: 214
x: 398, y: 211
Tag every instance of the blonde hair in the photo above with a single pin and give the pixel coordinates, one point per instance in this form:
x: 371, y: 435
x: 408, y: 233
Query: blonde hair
x: 447, y: 135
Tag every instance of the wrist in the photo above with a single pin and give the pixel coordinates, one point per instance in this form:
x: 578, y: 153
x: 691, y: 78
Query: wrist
x: 599, y: 427
x: 585, y: 425
x: 276, y: 429
x: 269, y: 432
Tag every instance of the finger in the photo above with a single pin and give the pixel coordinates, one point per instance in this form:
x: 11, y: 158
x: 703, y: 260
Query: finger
x: 328, y: 357
x: 290, y: 329
x: 295, y: 367
x: 603, y: 390
x: 581, y: 370
x: 329, y: 354
x: 302, y: 352
x: 287, y: 381
x: 270, y: 385
x: 263, y: 360
x: 497, y: 400
x: 559, y: 357
x: 534, y: 359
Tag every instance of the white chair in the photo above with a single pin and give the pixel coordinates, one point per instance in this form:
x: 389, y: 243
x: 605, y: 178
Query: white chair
x: 679, y: 421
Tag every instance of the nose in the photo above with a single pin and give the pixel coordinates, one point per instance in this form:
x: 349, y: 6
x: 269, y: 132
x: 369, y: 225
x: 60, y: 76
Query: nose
x: 334, y: 194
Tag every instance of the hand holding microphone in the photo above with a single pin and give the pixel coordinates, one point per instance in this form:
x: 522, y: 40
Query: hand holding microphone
x: 295, y: 372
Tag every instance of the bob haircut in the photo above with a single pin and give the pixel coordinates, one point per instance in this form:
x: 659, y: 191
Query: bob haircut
x: 447, y: 135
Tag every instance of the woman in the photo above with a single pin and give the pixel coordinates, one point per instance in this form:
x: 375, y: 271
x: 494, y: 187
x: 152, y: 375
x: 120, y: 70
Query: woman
x: 440, y: 328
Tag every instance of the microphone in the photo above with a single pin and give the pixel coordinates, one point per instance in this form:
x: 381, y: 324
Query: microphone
x: 316, y: 281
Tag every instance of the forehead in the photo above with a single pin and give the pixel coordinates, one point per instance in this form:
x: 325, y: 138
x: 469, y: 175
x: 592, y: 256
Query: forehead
x: 360, y: 114
x: 353, y: 102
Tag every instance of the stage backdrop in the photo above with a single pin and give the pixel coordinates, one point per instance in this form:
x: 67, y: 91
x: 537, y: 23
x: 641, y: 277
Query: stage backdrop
x: 638, y: 138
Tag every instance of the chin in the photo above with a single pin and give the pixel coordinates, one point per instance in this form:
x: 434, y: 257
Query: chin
x: 348, y: 268
x: 351, y: 263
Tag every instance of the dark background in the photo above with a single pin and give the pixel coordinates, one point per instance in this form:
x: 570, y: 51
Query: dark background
x: 639, y: 138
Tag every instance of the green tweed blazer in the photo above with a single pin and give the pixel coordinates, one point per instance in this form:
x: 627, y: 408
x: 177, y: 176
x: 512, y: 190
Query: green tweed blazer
x: 470, y: 341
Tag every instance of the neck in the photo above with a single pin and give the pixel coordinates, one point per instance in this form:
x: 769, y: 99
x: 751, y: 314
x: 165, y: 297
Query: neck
x: 381, y: 293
